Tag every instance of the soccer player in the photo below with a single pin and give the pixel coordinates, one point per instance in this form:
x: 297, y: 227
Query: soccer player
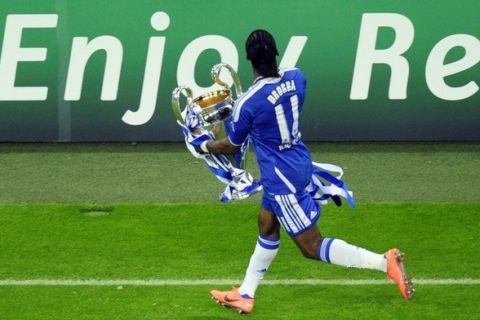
x: 269, y: 113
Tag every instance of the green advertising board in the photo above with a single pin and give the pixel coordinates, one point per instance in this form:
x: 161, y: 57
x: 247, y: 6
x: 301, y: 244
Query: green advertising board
x: 84, y: 70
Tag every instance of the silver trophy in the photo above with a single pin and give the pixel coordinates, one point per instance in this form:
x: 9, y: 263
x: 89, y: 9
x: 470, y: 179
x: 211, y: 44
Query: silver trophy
x: 212, y: 109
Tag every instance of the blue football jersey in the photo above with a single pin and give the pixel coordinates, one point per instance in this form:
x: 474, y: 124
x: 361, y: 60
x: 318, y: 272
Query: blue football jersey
x: 269, y: 113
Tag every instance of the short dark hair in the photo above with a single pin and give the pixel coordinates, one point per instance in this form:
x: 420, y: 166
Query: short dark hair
x: 262, y: 52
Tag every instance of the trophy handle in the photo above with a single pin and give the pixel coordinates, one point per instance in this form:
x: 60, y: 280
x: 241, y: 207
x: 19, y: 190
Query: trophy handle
x: 215, y: 72
x: 176, y: 95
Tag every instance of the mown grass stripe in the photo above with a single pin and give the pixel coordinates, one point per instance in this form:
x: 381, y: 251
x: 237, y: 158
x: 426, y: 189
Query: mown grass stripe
x: 200, y: 282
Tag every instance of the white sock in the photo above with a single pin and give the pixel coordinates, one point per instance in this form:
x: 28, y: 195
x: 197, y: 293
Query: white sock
x: 338, y: 252
x: 265, y: 251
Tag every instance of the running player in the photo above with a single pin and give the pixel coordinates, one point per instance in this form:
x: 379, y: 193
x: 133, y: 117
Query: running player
x: 269, y: 113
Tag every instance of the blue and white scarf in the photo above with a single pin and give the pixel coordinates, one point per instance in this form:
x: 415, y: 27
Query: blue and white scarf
x: 326, y: 184
x: 240, y: 183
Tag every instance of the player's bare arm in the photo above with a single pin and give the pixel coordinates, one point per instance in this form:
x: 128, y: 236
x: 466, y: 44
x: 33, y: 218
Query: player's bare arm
x: 223, y: 146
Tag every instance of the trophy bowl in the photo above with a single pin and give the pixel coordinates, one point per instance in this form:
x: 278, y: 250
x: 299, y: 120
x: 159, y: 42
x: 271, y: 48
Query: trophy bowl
x: 213, y: 107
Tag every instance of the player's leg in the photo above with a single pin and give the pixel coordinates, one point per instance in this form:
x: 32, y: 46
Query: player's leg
x: 242, y: 299
x: 265, y: 251
x: 298, y: 214
x: 339, y: 252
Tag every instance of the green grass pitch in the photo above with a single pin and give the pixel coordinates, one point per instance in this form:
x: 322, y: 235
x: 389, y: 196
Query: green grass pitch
x: 156, y: 216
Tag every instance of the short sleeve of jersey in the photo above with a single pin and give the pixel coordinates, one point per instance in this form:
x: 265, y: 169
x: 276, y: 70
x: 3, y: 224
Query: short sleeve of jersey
x: 240, y: 125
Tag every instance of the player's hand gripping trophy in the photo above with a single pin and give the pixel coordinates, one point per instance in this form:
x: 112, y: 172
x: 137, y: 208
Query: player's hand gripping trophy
x: 201, y: 120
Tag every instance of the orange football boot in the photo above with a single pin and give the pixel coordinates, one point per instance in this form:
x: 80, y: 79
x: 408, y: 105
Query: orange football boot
x: 233, y: 299
x: 396, y: 272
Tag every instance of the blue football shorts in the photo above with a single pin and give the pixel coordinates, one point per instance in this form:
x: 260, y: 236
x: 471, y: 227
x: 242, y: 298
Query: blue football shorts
x: 296, y: 212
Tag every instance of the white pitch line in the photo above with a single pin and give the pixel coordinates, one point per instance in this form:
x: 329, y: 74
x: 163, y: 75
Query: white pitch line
x: 220, y: 282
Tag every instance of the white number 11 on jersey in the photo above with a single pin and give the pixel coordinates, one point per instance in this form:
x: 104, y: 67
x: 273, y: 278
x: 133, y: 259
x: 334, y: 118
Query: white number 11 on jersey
x: 282, y: 121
